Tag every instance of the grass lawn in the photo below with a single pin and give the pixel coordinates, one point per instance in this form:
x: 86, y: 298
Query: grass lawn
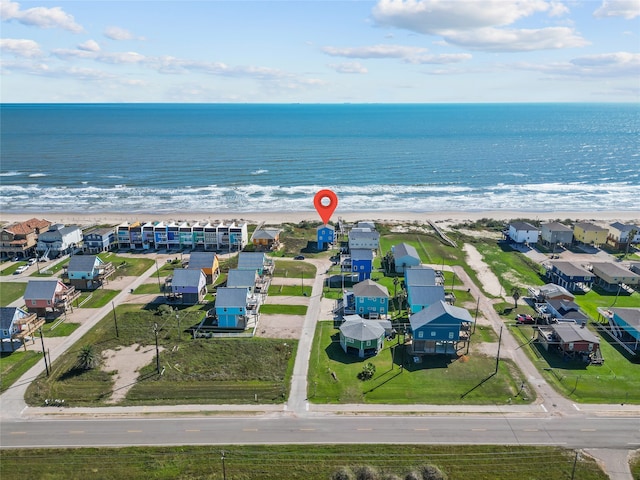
x: 512, y: 268
x: 290, y: 290
x: 439, y: 379
x: 284, y: 309
x: 298, y: 462
x: 59, y: 329
x: 294, y: 269
x: 11, y: 268
x: 50, y: 270
x: 14, y: 365
x: 97, y: 298
x: 11, y: 291
x: 128, y: 266
x: 147, y: 288
x: 196, y: 371
x: 590, y: 301
x: 616, y: 381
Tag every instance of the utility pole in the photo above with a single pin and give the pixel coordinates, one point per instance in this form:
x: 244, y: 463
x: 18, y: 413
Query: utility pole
x: 224, y: 471
x: 575, y: 462
x: 115, y: 319
x: 44, y: 353
x: 155, y: 330
x: 498, y: 355
x: 179, y: 329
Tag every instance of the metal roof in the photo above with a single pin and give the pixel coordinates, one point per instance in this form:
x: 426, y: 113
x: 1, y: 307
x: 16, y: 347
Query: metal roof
x: 41, y: 289
x: 438, y: 310
x: 405, y: 250
x: 361, y: 329
x: 183, y: 277
x: 361, y: 254
x: 570, y: 332
x: 369, y: 288
x: 420, y: 276
x: 83, y: 263
x: 571, y: 269
x: 231, y: 297
x: 242, y: 278
x: 630, y: 315
x: 8, y: 314
x: 200, y: 260
x: 426, y: 294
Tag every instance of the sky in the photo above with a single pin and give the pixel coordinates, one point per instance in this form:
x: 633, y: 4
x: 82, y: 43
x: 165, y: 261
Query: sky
x: 318, y: 51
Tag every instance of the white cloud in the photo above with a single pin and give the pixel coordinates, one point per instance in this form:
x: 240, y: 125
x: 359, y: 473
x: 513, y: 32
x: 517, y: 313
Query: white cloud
x: 628, y: 9
x: 117, y: 33
x: 348, y: 67
x: 42, y: 17
x: 89, y: 46
x: 20, y: 47
x: 375, y: 51
x: 441, y: 59
x: 479, y: 24
x: 508, y: 40
x: 607, y: 65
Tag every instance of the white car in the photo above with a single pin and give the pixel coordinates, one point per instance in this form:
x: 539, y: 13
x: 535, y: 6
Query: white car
x: 21, y: 269
x: 31, y: 261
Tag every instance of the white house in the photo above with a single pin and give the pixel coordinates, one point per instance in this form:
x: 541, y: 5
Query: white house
x: 58, y: 240
x: 523, y: 232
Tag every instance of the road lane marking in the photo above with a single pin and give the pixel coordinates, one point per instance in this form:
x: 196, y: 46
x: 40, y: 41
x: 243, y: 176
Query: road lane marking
x: 76, y: 431
x: 530, y: 430
x: 478, y: 429
x: 420, y: 429
x: 307, y: 429
x: 587, y: 429
x: 134, y: 431
x: 18, y: 433
x: 249, y: 429
x: 364, y: 429
x: 193, y: 430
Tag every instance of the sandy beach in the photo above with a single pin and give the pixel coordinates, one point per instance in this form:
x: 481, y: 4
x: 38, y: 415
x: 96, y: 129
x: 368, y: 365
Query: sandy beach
x: 277, y: 218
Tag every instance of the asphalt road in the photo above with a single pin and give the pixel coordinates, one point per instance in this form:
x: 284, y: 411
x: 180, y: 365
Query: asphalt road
x: 571, y: 432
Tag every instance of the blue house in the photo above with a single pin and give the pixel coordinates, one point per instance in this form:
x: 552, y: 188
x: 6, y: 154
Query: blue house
x: 88, y: 272
x: 420, y: 277
x: 15, y: 324
x: 326, y: 235
x: 438, y: 328
x: 405, y: 256
x: 371, y: 300
x: 256, y: 261
x: 362, y: 263
x: 420, y: 297
x: 242, y: 279
x: 570, y: 276
x: 231, y: 307
x: 189, y: 285
x: 627, y: 321
x: 99, y: 240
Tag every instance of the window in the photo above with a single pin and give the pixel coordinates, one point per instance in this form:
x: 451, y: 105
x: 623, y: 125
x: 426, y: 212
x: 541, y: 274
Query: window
x: 368, y: 343
x: 33, y: 302
x: 571, y: 346
x: 433, y: 333
x: 361, y: 309
x: 382, y: 301
x: 450, y: 335
x: 419, y: 334
x: 48, y: 302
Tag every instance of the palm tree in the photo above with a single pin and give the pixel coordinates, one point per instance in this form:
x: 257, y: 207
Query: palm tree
x: 515, y: 294
x: 87, y: 358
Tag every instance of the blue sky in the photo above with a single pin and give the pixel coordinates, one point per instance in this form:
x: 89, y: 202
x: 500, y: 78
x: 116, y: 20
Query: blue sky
x: 320, y: 51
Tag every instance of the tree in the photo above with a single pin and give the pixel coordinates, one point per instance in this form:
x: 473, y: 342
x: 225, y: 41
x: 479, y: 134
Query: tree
x: 368, y: 371
x: 515, y: 294
x: 87, y: 358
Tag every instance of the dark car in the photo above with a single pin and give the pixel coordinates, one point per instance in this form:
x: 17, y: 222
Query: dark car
x: 299, y: 257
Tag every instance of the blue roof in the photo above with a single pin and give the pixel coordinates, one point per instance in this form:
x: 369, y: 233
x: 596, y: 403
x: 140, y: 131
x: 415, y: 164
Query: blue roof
x: 200, y: 260
x: 83, y: 263
x: 241, y: 278
x: 8, y: 314
x: 420, y: 276
x: 231, y: 297
x: 438, y: 310
x: 186, y: 278
x: 426, y: 295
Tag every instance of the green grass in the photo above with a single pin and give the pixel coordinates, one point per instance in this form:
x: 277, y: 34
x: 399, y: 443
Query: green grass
x: 595, y: 298
x: 14, y: 365
x: 98, y: 298
x: 196, y: 371
x: 148, y: 288
x: 128, y: 266
x: 439, y: 379
x: 294, y: 269
x: 11, y: 268
x: 297, y: 462
x: 51, y: 269
x: 11, y: 291
x: 273, y: 308
x: 290, y: 290
x: 55, y: 329
x: 635, y: 465
x: 616, y: 381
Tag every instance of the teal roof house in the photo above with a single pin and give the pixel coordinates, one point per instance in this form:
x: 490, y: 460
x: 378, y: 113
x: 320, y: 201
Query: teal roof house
x: 439, y: 328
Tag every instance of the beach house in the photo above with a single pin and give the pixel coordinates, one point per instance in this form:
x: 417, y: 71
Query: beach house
x: 556, y: 234
x: 564, y: 311
x: 421, y: 276
x: 361, y: 337
x: 371, y: 300
x: 362, y: 263
x: 364, y: 238
x: 231, y: 307
x: 420, y: 297
x: 326, y: 236
x: 590, y: 234
x: 59, y: 240
x: 207, y: 262
x: 97, y: 240
x: 523, y: 232
x: 257, y: 261
x: 625, y: 325
x: 569, y: 275
x: 243, y: 279
x: 438, y: 329
x: 49, y: 296
x: 20, y: 239
x: 15, y: 325
x: 266, y: 238
x: 189, y: 286
x: 570, y: 340
x: 621, y: 235
x: 405, y: 256
x: 610, y: 276
x: 88, y: 272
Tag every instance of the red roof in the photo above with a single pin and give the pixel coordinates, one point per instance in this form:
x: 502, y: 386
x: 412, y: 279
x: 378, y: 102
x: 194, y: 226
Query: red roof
x: 27, y: 227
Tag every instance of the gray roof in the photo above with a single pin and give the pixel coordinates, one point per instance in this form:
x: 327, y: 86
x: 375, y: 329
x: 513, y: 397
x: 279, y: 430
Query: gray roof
x: 369, y: 288
x: 83, y: 263
x: 523, y: 226
x: 361, y: 254
x: 253, y: 260
x: 363, y: 233
x: 200, y: 260
x: 612, y: 270
x: 426, y: 294
x: 571, y: 269
x: 361, y: 329
x: 102, y: 231
x: 267, y: 233
x: 183, y: 277
x: 556, y: 227
x: 231, y: 297
x: 41, y: 289
x: 623, y: 227
x: 405, y: 250
x: 7, y: 314
x: 437, y: 310
x: 551, y: 290
x: 420, y: 276
x: 586, y: 226
x: 563, y: 305
x: 630, y: 315
x: 570, y: 332
x: 242, y: 278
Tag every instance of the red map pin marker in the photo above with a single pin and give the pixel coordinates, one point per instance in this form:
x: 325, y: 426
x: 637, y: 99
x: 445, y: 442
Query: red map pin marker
x: 325, y: 202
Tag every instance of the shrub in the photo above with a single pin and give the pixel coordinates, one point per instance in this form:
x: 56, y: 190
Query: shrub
x: 342, y: 474
x: 431, y: 472
x: 368, y: 371
x: 366, y: 472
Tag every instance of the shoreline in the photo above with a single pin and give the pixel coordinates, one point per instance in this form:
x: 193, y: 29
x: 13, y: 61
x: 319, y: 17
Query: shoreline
x: 277, y: 218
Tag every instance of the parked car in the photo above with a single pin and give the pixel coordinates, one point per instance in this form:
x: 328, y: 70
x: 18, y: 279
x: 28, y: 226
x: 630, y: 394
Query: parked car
x: 21, y: 269
x: 525, y: 319
x: 299, y: 257
x: 31, y: 261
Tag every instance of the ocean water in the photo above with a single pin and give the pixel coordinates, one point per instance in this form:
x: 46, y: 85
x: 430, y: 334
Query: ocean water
x: 165, y: 158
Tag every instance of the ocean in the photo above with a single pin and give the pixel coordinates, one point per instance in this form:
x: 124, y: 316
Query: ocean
x: 164, y: 158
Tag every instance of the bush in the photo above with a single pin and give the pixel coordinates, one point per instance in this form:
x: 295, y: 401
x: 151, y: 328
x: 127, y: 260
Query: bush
x: 342, y: 474
x: 366, y: 472
x: 431, y: 472
x: 368, y: 371
x: 412, y: 476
